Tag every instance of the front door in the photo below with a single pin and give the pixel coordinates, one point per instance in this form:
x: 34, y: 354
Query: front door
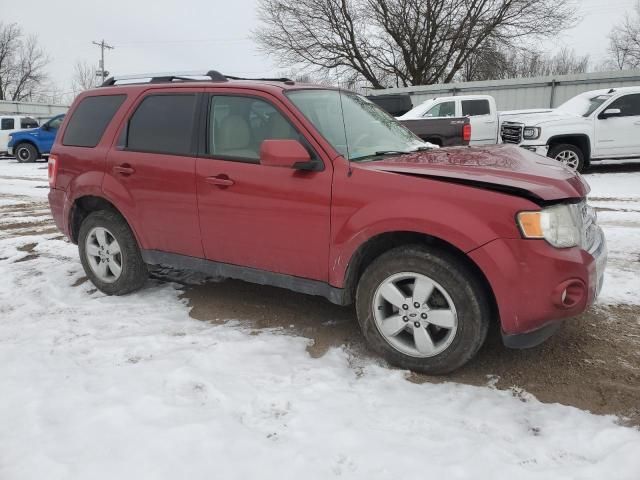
x: 151, y: 172
x: 619, y: 136
x: 269, y: 218
x: 48, y: 132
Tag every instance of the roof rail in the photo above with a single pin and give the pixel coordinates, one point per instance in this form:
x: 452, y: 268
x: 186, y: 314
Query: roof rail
x: 282, y: 79
x: 213, y: 75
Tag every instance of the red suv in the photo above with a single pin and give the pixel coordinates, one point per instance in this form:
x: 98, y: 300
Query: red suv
x: 317, y: 190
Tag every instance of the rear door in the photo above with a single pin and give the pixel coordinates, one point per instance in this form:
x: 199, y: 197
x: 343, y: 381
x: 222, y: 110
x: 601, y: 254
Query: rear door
x: 619, y: 136
x: 484, y: 128
x: 151, y: 170
x: 269, y: 218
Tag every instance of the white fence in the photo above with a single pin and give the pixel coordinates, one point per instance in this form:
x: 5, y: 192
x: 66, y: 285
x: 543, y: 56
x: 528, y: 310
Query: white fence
x: 36, y: 110
x: 519, y: 93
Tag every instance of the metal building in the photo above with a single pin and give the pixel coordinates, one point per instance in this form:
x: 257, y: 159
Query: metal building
x: 520, y: 93
x: 39, y: 111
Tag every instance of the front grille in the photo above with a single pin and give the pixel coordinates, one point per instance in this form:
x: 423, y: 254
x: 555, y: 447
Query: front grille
x: 511, y: 132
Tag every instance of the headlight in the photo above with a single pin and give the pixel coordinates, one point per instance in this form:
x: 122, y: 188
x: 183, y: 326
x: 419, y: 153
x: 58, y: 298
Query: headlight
x: 531, y: 133
x: 560, y: 225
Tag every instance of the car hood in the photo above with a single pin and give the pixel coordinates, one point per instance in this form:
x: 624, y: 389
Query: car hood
x: 504, y: 168
x: 533, y: 118
x: 22, y: 132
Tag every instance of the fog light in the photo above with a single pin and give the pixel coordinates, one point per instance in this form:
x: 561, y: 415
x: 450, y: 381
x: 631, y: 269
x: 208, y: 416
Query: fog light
x: 569, y: 294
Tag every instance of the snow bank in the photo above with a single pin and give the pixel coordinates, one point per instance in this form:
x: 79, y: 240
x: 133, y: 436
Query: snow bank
x: 131, y: 387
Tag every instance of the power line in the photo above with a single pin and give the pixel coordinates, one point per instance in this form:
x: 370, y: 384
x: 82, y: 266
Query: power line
x: 102, y: 44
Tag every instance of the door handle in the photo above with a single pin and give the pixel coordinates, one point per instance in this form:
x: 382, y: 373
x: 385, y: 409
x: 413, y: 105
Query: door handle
x: 221, y: 181
x: 124, y: 169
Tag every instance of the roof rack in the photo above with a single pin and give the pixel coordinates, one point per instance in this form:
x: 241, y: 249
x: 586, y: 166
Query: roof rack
x: 212, y: 75
x: 282, y: 79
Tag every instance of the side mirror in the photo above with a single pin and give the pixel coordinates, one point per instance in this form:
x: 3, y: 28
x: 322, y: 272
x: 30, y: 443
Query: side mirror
x: 611, y: 112
x: 284, y: 153
x: 46, y: 126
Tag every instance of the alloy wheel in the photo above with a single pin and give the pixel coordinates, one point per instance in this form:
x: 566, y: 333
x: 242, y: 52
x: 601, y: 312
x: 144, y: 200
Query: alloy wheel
x: 104, y: 254
x: 569, y: 158
x: 415, y: 314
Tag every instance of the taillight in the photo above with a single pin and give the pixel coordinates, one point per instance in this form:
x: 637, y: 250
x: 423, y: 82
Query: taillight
x: 53, y: 170
x: 466, y: 133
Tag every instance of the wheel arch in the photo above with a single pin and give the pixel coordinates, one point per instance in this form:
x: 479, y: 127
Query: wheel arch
x: 28, y: 141
x: 379, y: 244
x: 580, y: 140
x: 87, y: 204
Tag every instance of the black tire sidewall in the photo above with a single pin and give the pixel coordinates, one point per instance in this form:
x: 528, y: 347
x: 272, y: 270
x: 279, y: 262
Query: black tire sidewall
x: 456, y: 278
x: 555, y: 150
x: 33, y: 152
x: 134, y: 271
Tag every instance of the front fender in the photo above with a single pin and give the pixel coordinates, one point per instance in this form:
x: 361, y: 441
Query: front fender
x: 463, y: 216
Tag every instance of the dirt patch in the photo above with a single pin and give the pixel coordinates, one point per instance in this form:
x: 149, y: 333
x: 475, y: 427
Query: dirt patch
x: 27, y: 258
x: 261, y: 307
x: 592, y: 363
x: 29, y: 247
x: 80, y: 281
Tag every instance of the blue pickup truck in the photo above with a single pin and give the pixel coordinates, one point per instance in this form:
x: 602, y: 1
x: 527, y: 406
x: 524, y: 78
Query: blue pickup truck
x: 30, y: 145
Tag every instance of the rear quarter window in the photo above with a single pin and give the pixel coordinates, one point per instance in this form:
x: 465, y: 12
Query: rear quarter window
x: 7, y: 124
x: 90, y: 119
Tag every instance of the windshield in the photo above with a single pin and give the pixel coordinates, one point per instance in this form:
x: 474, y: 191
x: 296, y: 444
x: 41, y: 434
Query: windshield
x: 353, y: 125
x: 584, y: 105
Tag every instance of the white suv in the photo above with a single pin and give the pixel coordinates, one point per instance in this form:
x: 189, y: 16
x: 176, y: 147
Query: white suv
x: 597, y: 125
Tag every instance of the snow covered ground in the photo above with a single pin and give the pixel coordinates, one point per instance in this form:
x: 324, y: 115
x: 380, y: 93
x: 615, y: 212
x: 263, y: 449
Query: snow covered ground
x: 99, y: 387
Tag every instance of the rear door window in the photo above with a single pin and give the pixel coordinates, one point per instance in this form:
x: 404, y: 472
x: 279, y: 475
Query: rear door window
x: 7, y: 124
x: 28, y: 122
x: 90, y: 119
x: 163, y: 124
x: 475, y: 108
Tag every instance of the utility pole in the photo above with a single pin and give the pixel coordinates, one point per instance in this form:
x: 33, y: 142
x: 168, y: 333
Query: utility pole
x: 102, y: 72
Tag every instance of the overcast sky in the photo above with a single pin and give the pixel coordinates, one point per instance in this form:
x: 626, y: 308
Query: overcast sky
x: 170, y: 35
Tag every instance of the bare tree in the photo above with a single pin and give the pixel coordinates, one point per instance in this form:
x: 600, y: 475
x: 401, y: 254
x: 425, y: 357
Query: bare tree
x: 22, y: 64
x: 624, y: 42
x: 84, y: 77
x: 402, y: 42
x: 499, y: 63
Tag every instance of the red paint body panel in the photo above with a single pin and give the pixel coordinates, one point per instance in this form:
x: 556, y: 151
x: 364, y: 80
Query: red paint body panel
x: 309, y: 224
x: 524, y: 273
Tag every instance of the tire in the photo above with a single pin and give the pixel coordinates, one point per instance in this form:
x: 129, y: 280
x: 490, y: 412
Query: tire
x: 102, y: 273
x: 26, y: 153
x: 569, y: 155
x: 464, y: 297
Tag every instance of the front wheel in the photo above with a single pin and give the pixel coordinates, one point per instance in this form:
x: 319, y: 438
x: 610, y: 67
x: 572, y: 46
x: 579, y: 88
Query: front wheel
x: 569, y: 155
x: 422, y: 309
x: 26, y: 153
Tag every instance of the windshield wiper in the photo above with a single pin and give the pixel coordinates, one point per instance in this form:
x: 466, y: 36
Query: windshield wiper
x: 382, y: 153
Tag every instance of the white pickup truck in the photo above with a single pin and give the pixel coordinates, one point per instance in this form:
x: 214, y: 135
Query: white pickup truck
x: 597, y: 125
x: 481, y: 110
x: 13, y: 123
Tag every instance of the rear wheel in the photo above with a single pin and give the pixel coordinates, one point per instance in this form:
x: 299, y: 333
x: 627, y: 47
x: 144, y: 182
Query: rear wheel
x: 26, y: 153
x: 569, y: 155
x: 422, y: 309
x: 110, y: 255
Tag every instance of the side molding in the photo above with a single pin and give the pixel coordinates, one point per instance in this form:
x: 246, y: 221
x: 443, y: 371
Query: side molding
x: 253, y: 275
